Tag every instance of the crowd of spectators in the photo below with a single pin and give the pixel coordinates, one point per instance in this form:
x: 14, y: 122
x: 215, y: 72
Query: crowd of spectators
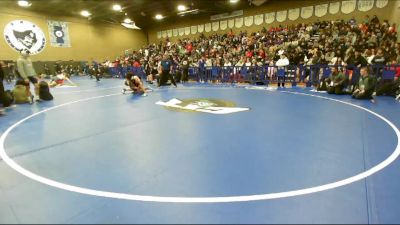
x: 348, y: 44
x: 339, y: 42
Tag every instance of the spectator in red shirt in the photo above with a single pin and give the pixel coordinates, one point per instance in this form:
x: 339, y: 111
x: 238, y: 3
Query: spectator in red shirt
x: 230, y: 33
x: 136, y: 64
x: 261, y: 53
x: 189, y: 47
x: 249, y: 54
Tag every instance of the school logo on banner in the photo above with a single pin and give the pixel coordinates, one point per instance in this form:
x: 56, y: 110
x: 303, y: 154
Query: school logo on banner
x: 202, y: 105
x: 59, y: 35
x: 24, y: 35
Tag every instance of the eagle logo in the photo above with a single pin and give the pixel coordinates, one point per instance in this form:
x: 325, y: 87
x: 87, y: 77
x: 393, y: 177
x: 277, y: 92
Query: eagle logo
x: 213, y: 106
x: 24, y: 35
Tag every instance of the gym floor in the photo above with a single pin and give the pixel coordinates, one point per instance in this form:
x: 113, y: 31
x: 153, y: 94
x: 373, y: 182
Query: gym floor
x: 94, y: 155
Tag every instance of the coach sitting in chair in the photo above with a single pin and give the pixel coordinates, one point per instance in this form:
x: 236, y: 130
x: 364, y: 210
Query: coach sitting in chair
x: 387, y: 86
x: 336, y: 82
x: 366, y: 85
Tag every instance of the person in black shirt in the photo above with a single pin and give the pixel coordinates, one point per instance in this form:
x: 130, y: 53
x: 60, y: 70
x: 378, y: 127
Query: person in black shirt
x: 57, y: 68
x: 378, y: 62
x: 359, y: 60
x: 166, y: 67
x: 185, y: 69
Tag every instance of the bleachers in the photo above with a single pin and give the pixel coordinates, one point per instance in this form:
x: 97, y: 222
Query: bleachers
x: 293, y: 74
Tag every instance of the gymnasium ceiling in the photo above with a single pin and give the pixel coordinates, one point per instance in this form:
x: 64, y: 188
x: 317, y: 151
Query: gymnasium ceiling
x: 141, y: 11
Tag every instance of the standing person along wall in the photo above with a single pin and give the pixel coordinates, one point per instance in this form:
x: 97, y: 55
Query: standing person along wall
x: 27, y: 72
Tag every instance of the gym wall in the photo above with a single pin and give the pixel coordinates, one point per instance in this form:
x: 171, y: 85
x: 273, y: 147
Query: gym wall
x: 89, y: 40
x: 390, y: 12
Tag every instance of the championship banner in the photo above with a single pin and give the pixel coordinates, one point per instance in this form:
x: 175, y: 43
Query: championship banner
x: 348, y: 6
x: 334, y: 7
x: 269, y: 17
x: 381, y: 3
x: 200, y: 28
x: 259, y: 19
x: 281, y: 16
x: 365, y: 5
x: 294, y: 14
x: 193, y: 29
x: 181, y: 31
x: 321, y: 10
x: 215, y: 26
x: 307, y: 12
x: 59, y: 34
x: 248, y: 21
x: 187, y: 30
x: 223, y: 24
x: 231, y: 23
x: 207, y: 27
x: 239, y: 22
x: 175, y: 32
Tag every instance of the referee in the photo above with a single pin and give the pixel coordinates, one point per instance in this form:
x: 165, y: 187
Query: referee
x: 166, y: 67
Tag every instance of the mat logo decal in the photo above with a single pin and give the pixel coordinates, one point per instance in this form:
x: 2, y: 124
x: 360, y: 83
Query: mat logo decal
x: 24, y: 35
x: 212, y: 106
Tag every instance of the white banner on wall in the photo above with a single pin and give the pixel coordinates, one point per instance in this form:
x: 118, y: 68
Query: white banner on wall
x: 187, y: 30
x: 348, y: 6
x: 231, y: 23
x: 164, y: 33
x: 239, y: 22
x: 200, y: 28
x: 294, y: 14
x: 159, y: 34
x: 207, y: 27
x: 169, y: 33
x: 175, y: 32
x: 181, y: 31
x: 281, y: 15
x: 223, y: 24
x: 193, y: 29
x: 269, y: 17
x: 321, y: 10
x: 365, y: 5
x: 258, y: 19
x: 307, y: 12
x: 381, y: 3
x: 215, y: 26
x: 334, y: 7
x: 248, y: 21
